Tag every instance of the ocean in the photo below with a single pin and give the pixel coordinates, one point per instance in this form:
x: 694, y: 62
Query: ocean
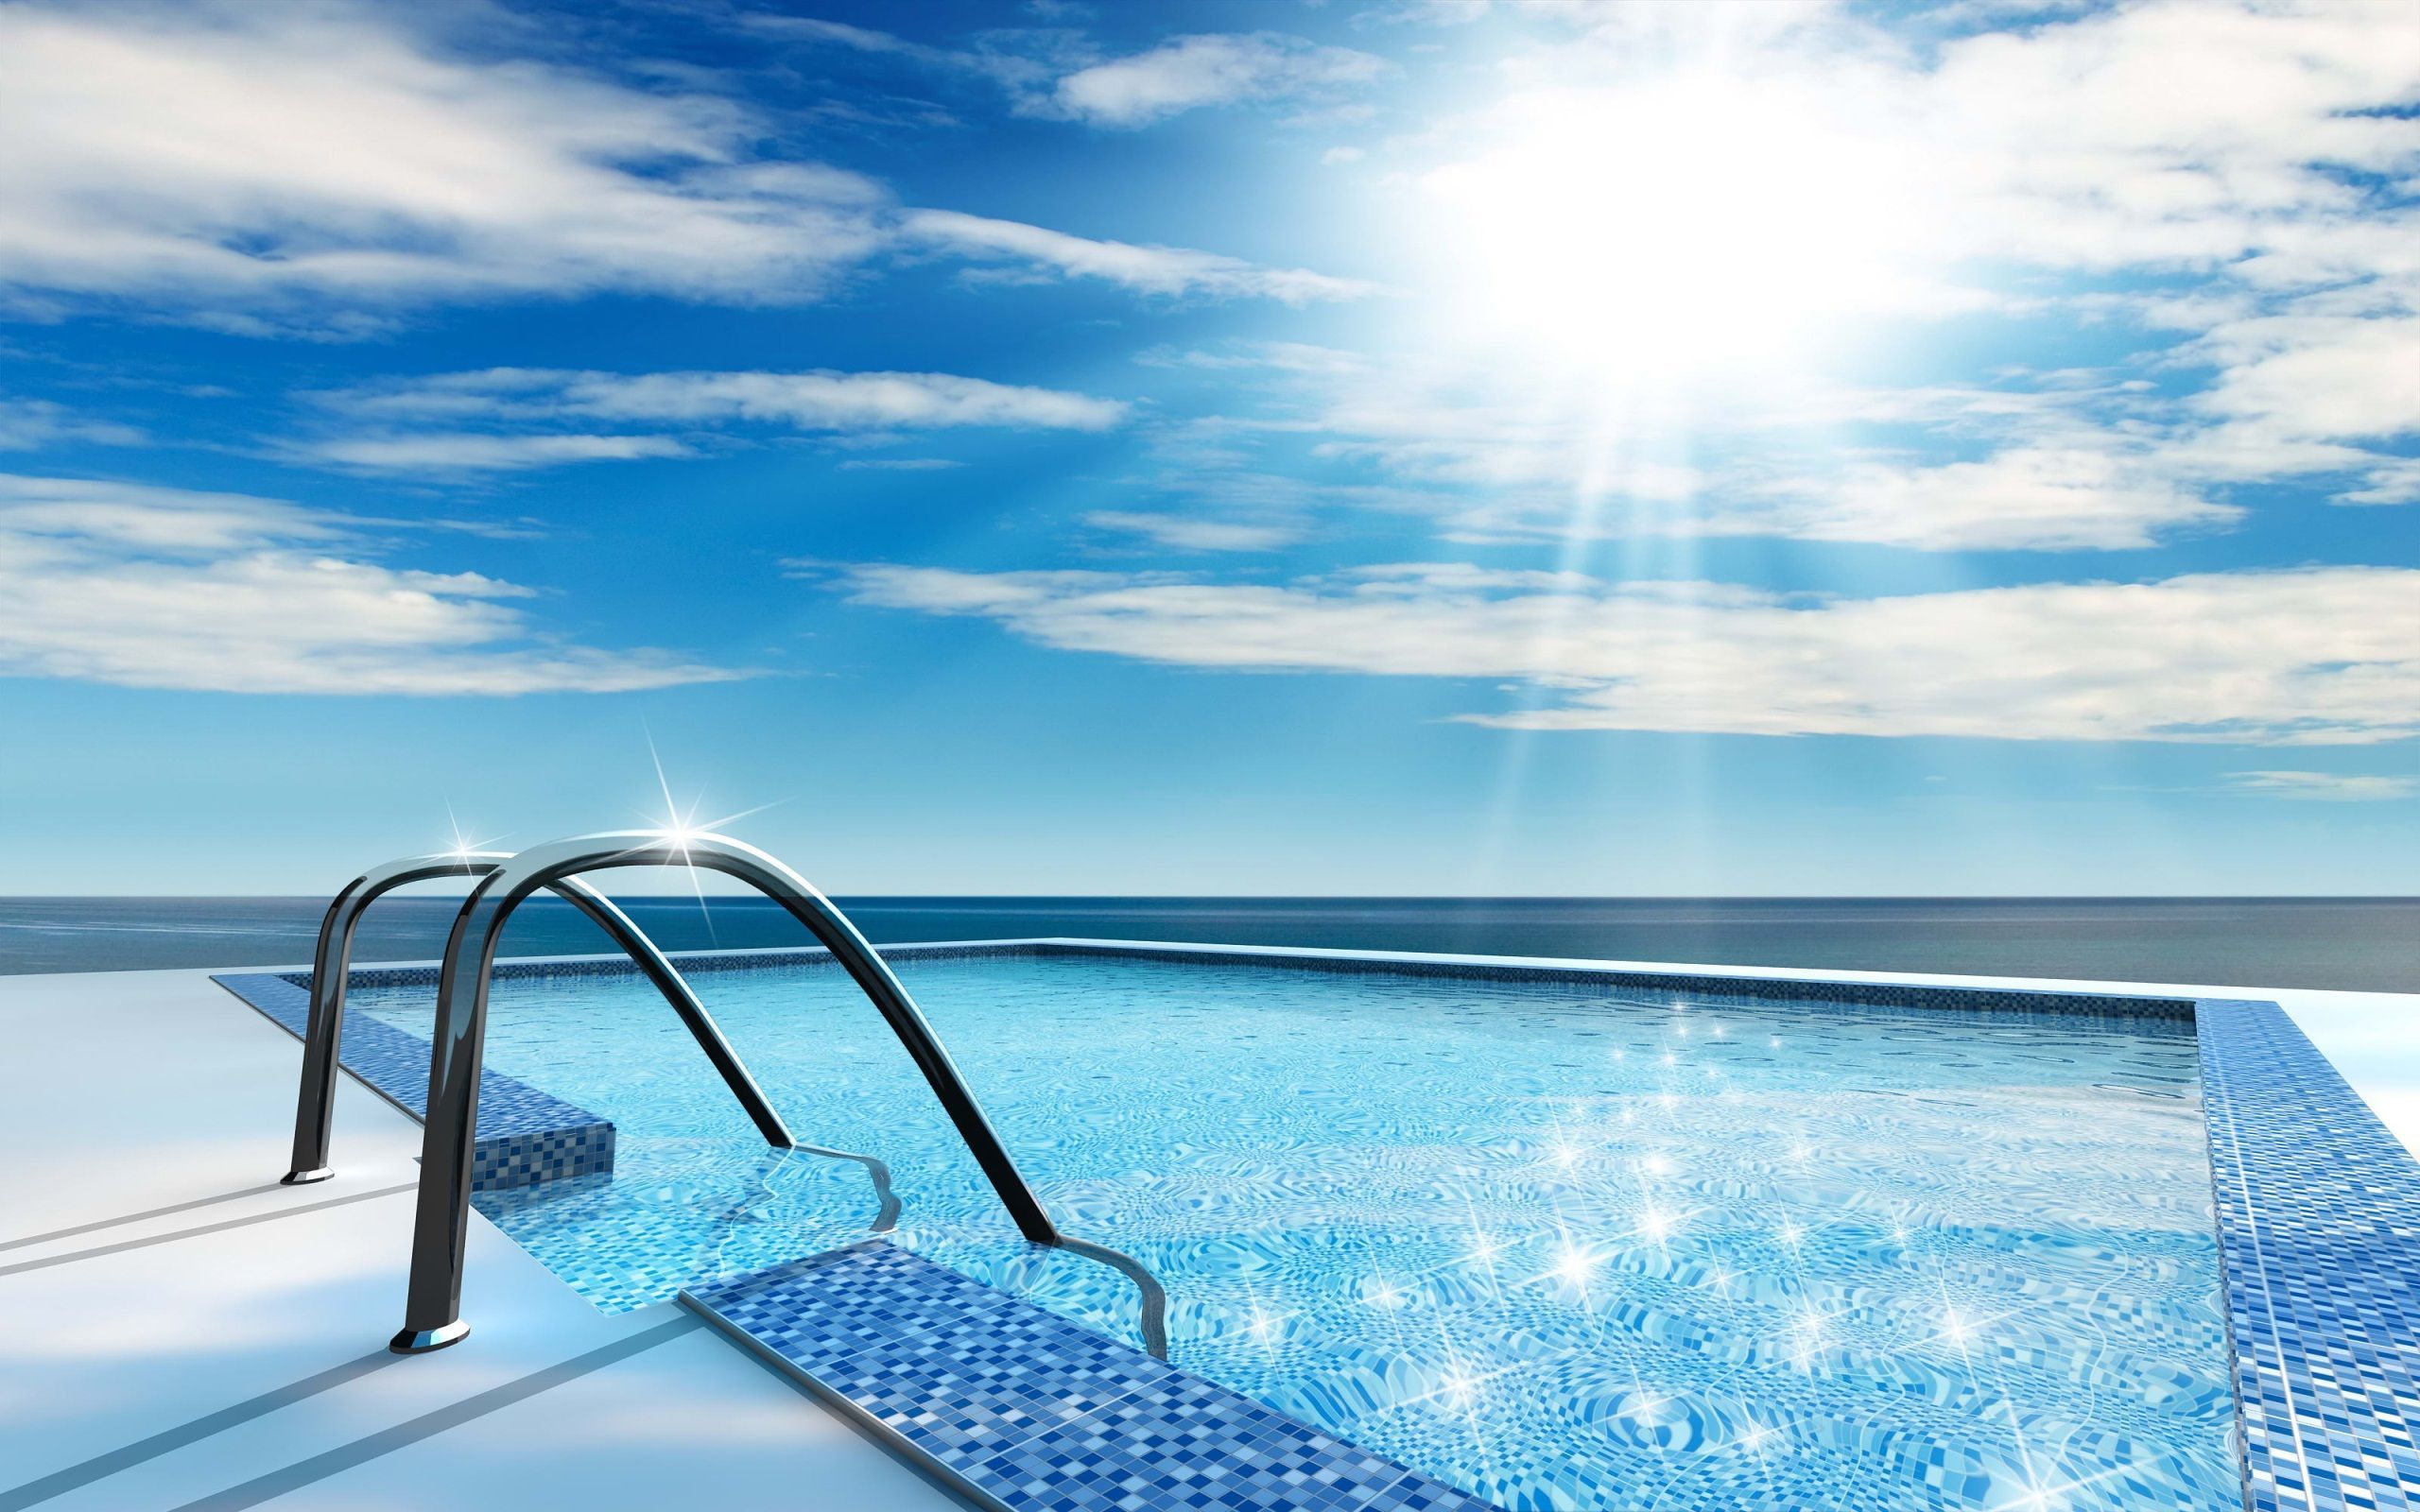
x: 2362, y: 944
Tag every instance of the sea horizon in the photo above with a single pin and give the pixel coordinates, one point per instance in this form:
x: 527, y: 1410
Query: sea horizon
x: 2353, y: 942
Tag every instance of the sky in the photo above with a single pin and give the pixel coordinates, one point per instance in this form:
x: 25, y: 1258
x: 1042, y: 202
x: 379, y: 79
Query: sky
x: 1259, y: 447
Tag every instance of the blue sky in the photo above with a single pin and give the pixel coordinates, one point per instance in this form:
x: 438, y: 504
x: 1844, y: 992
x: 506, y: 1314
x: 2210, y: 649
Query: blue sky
x: 1262, y: 447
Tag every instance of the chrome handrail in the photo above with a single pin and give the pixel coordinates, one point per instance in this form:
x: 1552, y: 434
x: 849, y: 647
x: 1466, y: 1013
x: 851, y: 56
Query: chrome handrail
x: 432, y: 1309
x: 315, y: 1105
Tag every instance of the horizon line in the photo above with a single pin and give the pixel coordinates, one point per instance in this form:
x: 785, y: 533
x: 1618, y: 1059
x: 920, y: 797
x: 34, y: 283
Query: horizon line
x: 1342, y: 898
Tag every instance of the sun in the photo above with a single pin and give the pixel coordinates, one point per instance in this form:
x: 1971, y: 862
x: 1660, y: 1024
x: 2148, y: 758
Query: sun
x: 1697, y: 226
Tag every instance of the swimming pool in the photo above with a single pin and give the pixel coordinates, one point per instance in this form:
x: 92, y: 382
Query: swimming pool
x: 1558, y: 1243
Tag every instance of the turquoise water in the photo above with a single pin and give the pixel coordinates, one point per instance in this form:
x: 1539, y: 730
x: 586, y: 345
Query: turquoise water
x: 1557, y: 1246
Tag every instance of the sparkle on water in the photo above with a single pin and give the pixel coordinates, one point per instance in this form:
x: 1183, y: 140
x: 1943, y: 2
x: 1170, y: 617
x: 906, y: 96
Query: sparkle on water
x: 1531, y: 1239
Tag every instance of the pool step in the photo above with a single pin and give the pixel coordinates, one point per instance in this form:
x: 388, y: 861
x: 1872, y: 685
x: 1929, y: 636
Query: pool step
x: 525, y: 1136
x: 1021, y: 1410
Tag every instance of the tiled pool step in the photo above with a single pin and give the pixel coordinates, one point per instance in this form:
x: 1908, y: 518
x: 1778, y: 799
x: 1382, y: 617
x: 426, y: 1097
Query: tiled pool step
x: 1021, y: 1410
x: 525, y: 1136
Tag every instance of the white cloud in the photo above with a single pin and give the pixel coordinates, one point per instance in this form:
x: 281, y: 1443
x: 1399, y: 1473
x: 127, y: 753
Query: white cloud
x: 1528, y: 483
x: 1022, y: 75
x: 938, y: 591
x: 2334, y: 787
x: 2328, y: 378
x: 2026, y: 498
x: 841, y: 34
x: 137, y: 517
x: 517, y: 401
x: 163, y: 588
x: 1503, y: 457
x: 2177, y: 135
x: 2391, y: 482
x: 462, y: 452
x: 2321, y: 655
x: 1193, y: 533
x: 28, y: 424
x: 321, y: 164
x: 1186, y: 72
x: 239, y: 158
x: 2185, y: 135
x: 828, y: 401
x: 1281, y: 357
x: 1167, y: 270
x: 819, y: 400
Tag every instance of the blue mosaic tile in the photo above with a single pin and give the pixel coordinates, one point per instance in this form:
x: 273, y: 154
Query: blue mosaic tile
x: 2319, y: 1233
x: 1711, y: 986
x: 525, y: 1136
x: 1023, y: 1410
x: 1697, y: 985
x: 692, y: 963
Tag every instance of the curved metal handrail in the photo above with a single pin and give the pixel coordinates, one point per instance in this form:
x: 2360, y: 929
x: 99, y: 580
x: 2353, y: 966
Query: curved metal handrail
x: 331, y: 963
x: 432, y: 1311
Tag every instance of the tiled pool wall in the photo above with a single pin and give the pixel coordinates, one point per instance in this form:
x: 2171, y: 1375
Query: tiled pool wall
x: 2317, y: 1204
x: 525, y: 1136
x: 1502, y: 969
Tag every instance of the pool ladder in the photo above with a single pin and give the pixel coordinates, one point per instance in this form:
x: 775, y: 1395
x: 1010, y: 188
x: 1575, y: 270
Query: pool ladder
x: 432, y: 1312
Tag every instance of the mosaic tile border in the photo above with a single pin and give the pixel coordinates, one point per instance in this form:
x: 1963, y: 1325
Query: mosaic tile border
x: 2318, y: 1239
x: 1016, y: 1408
x: 1696, y: 984
x: 1506, y: 969
x: 692, y: 963
x: 525, y: 1135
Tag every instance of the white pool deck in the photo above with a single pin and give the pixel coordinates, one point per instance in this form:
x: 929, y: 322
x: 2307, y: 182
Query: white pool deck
x: 178, y: 1331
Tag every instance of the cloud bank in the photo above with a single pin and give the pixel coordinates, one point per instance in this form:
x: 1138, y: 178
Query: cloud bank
x: 222, y: 592
x: 2322, y: 655
x: 320, y: 165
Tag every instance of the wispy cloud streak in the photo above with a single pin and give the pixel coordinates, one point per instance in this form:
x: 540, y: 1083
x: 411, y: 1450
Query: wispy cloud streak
x: 2318, y: 656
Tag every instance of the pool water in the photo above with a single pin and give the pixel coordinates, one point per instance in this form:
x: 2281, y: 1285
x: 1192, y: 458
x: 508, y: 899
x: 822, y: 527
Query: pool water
x: 1561, y: 1246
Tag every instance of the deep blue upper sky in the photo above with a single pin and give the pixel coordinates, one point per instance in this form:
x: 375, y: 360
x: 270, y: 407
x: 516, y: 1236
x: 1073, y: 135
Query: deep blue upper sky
x: 1258, y: 447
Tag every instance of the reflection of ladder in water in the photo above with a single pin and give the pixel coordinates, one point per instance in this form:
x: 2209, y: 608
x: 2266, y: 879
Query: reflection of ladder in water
x: 432, y: 1311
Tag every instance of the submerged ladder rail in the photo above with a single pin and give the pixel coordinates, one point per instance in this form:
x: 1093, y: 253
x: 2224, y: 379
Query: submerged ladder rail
x: 314, y: 1103
x: 886, y: 1217
x: 1153, y: 1321
x: 432, y: 1313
